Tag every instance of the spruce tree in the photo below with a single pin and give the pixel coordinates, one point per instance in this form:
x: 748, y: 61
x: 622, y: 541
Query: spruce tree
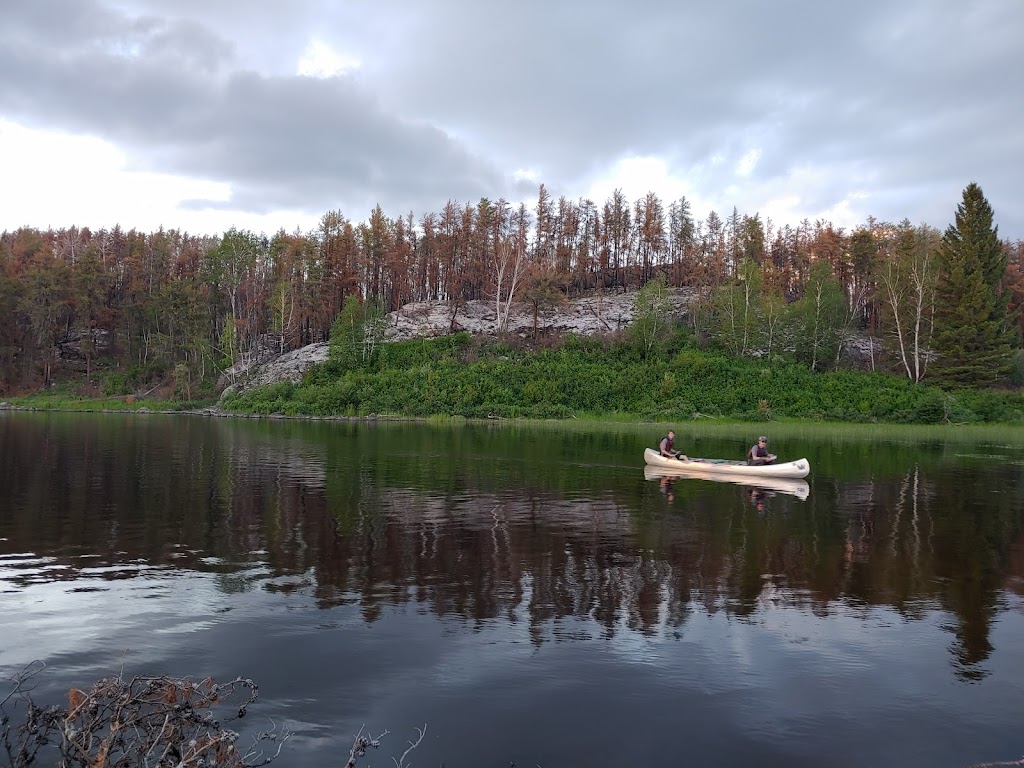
x: 974, y: 338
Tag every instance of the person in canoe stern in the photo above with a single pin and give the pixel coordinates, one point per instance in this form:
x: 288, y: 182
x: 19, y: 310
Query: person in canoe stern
x: 667, y: 450
x: 758, y: 453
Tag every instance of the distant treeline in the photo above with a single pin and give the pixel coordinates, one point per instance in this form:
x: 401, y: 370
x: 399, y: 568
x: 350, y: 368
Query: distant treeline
x: 169, y: 305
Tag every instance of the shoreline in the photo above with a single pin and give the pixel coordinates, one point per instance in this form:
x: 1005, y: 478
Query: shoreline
x: 689, y: 424
x: 212, y: 412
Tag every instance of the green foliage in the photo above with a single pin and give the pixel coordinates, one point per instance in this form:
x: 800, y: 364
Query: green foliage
x: 182, y: 382
x: 462, y: 376
x: 116, y: 384
x: 357, y: 333
x: 229, y: 343
x: 820, y: 319
x: 974, y: 338
x: 652, y: 317
x: 1017, y: 369
x: 735, y: 310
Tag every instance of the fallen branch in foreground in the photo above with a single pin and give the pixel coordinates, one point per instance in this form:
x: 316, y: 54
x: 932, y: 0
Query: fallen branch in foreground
x: 152, y: 721
x: 143, y: 721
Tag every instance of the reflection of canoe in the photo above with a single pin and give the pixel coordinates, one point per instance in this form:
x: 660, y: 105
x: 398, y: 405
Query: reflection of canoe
x: 793, y: 487
x: 789, y: 469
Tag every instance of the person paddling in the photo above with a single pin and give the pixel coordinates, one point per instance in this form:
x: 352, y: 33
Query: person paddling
x: 758, y: 454
x: 667, y: 450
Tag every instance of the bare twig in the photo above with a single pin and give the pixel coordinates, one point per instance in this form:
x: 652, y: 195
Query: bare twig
x: 400, y: 762
x: 361, y: 744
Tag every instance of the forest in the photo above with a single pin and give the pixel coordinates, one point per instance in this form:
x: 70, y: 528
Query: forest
x: 128, y: 312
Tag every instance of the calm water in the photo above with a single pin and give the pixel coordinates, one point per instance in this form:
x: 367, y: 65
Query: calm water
x: 529, y: 593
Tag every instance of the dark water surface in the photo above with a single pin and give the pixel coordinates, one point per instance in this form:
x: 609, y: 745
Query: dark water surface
x: 528, y: 592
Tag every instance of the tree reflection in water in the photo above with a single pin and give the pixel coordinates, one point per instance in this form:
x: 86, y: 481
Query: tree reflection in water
x: 483, y: 524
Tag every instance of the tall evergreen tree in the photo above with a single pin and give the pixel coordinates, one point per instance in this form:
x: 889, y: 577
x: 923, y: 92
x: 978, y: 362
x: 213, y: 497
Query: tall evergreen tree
x: 974, y: 338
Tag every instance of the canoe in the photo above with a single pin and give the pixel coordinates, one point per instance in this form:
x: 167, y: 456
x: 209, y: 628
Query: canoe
x: 695, y: 466
x: 791, y: 486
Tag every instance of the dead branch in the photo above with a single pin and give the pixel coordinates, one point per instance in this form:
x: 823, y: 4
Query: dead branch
x: 400, y: 762
x: 145, y: 721
x: 361, y: 744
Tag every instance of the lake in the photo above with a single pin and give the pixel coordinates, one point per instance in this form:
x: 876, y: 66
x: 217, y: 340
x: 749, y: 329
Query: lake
x: 527, y: 591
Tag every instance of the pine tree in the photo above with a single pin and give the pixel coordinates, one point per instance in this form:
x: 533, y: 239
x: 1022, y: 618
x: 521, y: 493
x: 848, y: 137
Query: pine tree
x: 973, y: 338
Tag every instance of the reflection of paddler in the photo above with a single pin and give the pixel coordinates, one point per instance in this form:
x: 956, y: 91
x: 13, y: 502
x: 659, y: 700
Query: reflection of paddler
x: 666, y: 487
x: 757, y: 497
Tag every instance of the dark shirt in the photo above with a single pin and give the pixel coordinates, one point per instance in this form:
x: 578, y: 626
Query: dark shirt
x: 758, y: 454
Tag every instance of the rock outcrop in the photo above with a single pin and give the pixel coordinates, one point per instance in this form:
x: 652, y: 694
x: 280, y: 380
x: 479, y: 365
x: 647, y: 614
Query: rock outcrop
x: 291, y: 366
x: 610, y: 311
x: 585, y: 316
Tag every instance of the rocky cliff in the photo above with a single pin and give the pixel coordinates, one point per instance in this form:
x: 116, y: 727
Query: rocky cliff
x: 585, y: 316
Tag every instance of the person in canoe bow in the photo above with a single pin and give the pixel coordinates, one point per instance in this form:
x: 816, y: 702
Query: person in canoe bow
x: 758, y: 454
x: 666, y: 447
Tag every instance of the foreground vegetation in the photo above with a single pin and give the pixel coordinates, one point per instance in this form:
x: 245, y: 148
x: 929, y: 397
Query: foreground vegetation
x: 462, y: 375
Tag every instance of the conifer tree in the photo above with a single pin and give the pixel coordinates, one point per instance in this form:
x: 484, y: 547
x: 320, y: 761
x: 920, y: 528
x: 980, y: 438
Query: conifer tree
x: 974, y: 338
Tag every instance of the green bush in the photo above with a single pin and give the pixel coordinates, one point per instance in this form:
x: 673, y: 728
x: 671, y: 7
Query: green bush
x: 478, y: 377
x: 116, y: 384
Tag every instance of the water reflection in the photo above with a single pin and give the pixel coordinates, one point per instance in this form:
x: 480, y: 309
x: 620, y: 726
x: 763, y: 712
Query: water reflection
x: 482, y: 523
x: 757, y: 487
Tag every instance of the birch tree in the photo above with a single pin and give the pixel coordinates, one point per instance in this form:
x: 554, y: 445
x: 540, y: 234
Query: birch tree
x: 652, y: 309
x: 736, y: 309
x: 508, y: 263
x: 821, y: 318
x: 907, y: 280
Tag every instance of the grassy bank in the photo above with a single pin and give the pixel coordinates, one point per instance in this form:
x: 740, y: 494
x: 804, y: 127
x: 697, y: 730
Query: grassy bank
x: 589, y: 378
x: 62, y: 400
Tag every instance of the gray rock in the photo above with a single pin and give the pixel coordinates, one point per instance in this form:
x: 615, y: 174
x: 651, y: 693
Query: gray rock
x: 291, y: 366
x: 595, y: 314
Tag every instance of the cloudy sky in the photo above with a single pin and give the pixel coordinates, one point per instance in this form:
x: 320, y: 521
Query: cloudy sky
x: 207, y: 114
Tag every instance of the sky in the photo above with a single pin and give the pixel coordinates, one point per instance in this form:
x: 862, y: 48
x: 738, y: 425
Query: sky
x: 202, y: 115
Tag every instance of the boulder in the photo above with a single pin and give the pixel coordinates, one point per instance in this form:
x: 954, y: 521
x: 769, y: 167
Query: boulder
x: 291, y: 366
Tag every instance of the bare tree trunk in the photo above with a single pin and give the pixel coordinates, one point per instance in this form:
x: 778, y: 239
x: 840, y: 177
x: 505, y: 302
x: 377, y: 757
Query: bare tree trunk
x: 508, y: 264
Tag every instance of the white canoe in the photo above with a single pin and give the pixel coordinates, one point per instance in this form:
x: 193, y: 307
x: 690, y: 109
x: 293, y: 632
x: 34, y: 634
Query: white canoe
x: 790, y: 469
x: 791, y: 486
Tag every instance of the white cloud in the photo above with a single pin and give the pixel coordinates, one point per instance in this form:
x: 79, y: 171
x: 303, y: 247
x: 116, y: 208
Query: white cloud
x: 748, y: 162
x: 786, y: 199
x: 65, y: 180
x: 790, y: 199
x: 321, y: 60
x: 636, y: 176
x: 527, y: 174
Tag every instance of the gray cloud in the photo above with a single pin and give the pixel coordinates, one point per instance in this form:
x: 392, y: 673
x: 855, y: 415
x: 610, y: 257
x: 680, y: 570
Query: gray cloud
x: 905, y: 102
x: 916, y: 94
x: 172, y: 92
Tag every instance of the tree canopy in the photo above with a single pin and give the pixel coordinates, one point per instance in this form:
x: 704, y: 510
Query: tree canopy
x: 974, y: 336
